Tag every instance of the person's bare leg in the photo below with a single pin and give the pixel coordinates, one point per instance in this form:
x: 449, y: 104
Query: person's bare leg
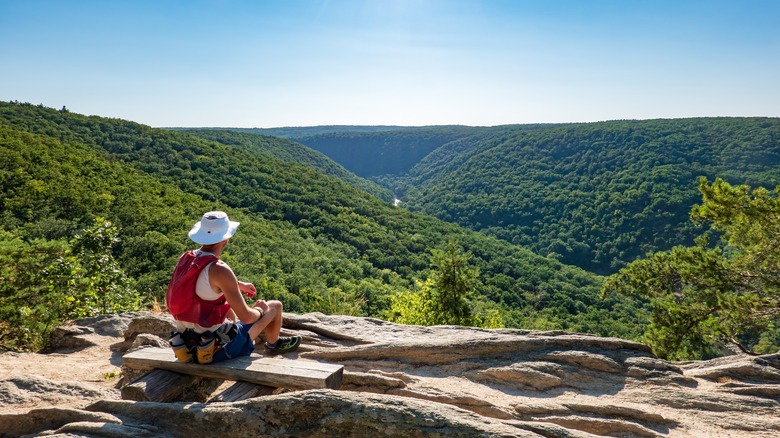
x: 270, y: 323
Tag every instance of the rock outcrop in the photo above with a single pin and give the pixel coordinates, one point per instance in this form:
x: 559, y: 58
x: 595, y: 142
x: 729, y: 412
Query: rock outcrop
x: 414, y: 381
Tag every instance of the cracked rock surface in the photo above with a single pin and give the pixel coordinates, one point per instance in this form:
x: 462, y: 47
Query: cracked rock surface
x: 405, y: 381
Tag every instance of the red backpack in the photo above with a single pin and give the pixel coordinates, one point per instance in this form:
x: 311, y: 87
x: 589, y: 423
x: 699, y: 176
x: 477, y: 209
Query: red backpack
x: 181, y: 299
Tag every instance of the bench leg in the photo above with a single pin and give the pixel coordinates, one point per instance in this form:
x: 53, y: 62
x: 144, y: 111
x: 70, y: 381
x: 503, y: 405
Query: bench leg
x: 157, y: 386
x: 242, y: 391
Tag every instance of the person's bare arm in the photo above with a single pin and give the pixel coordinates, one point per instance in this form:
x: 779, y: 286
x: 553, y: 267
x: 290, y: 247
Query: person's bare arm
x: 232, y: 315
x: 223, y: 279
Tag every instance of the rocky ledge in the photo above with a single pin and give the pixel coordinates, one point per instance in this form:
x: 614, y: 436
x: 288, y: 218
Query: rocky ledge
x: 410, y: 381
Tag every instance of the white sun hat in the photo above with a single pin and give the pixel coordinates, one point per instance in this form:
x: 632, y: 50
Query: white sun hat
x: 213, y: 228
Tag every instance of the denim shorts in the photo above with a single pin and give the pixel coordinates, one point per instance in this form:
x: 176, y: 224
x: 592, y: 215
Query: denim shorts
x: 240, y: 345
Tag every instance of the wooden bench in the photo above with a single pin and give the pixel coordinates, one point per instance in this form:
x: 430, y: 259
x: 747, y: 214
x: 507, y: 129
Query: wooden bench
x: 254, y: 375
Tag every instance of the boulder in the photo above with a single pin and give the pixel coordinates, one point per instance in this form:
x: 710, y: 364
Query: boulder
x: 156, y: 328
x: 31, y: 390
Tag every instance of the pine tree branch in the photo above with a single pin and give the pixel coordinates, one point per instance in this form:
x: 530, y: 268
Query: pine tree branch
x: 741, y: 347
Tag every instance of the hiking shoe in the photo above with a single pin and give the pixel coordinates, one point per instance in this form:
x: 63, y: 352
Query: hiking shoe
x: 284, y: 344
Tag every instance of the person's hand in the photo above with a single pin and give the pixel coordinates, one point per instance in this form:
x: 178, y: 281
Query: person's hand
x: 248, y: 289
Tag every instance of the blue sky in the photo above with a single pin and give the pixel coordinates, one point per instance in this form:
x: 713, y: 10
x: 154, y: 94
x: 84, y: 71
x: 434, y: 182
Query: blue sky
x: 392, y: 62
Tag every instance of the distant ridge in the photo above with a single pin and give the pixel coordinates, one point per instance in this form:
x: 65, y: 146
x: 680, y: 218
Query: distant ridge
x: 301, y: 131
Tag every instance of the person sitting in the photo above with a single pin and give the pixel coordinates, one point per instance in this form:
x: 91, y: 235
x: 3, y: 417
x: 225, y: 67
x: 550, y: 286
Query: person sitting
x: 213, y: 321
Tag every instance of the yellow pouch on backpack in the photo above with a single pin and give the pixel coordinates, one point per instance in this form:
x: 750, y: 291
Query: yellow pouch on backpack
x: 183, y: 354
x: 206, y: 351
x: 180, y: 348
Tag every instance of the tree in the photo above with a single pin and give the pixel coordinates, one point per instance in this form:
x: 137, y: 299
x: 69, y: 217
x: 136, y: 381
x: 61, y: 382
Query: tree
x: 447, y: 296
x: 453, y: 283
x: 104, y: 288
x: 704, y: 295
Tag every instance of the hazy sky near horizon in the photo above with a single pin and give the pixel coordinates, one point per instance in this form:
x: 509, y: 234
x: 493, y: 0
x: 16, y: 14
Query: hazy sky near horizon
x: 232, y: 63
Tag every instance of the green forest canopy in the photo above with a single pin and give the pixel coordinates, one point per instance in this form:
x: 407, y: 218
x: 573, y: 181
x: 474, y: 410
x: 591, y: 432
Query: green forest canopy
x: 290, y: 151
x: 595, y: 195
x: 314, y: 241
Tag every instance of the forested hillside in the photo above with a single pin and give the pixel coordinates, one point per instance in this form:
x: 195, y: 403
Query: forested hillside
x: 594, y: 195
x: 394, y: 152
x: 314, y: 241
x: 290, y: 151
x: 371, y: 154
x: 379, y: 153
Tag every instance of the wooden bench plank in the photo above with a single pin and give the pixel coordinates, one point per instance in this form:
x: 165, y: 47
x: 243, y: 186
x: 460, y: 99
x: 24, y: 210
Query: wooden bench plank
x: 268, y: 371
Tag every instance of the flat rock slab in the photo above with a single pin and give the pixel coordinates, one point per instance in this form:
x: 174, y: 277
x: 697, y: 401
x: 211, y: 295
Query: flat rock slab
x: 269, y: 371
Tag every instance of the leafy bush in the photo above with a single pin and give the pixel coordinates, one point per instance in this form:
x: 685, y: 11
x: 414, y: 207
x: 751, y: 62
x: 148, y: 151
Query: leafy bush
x: 46, y: 283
